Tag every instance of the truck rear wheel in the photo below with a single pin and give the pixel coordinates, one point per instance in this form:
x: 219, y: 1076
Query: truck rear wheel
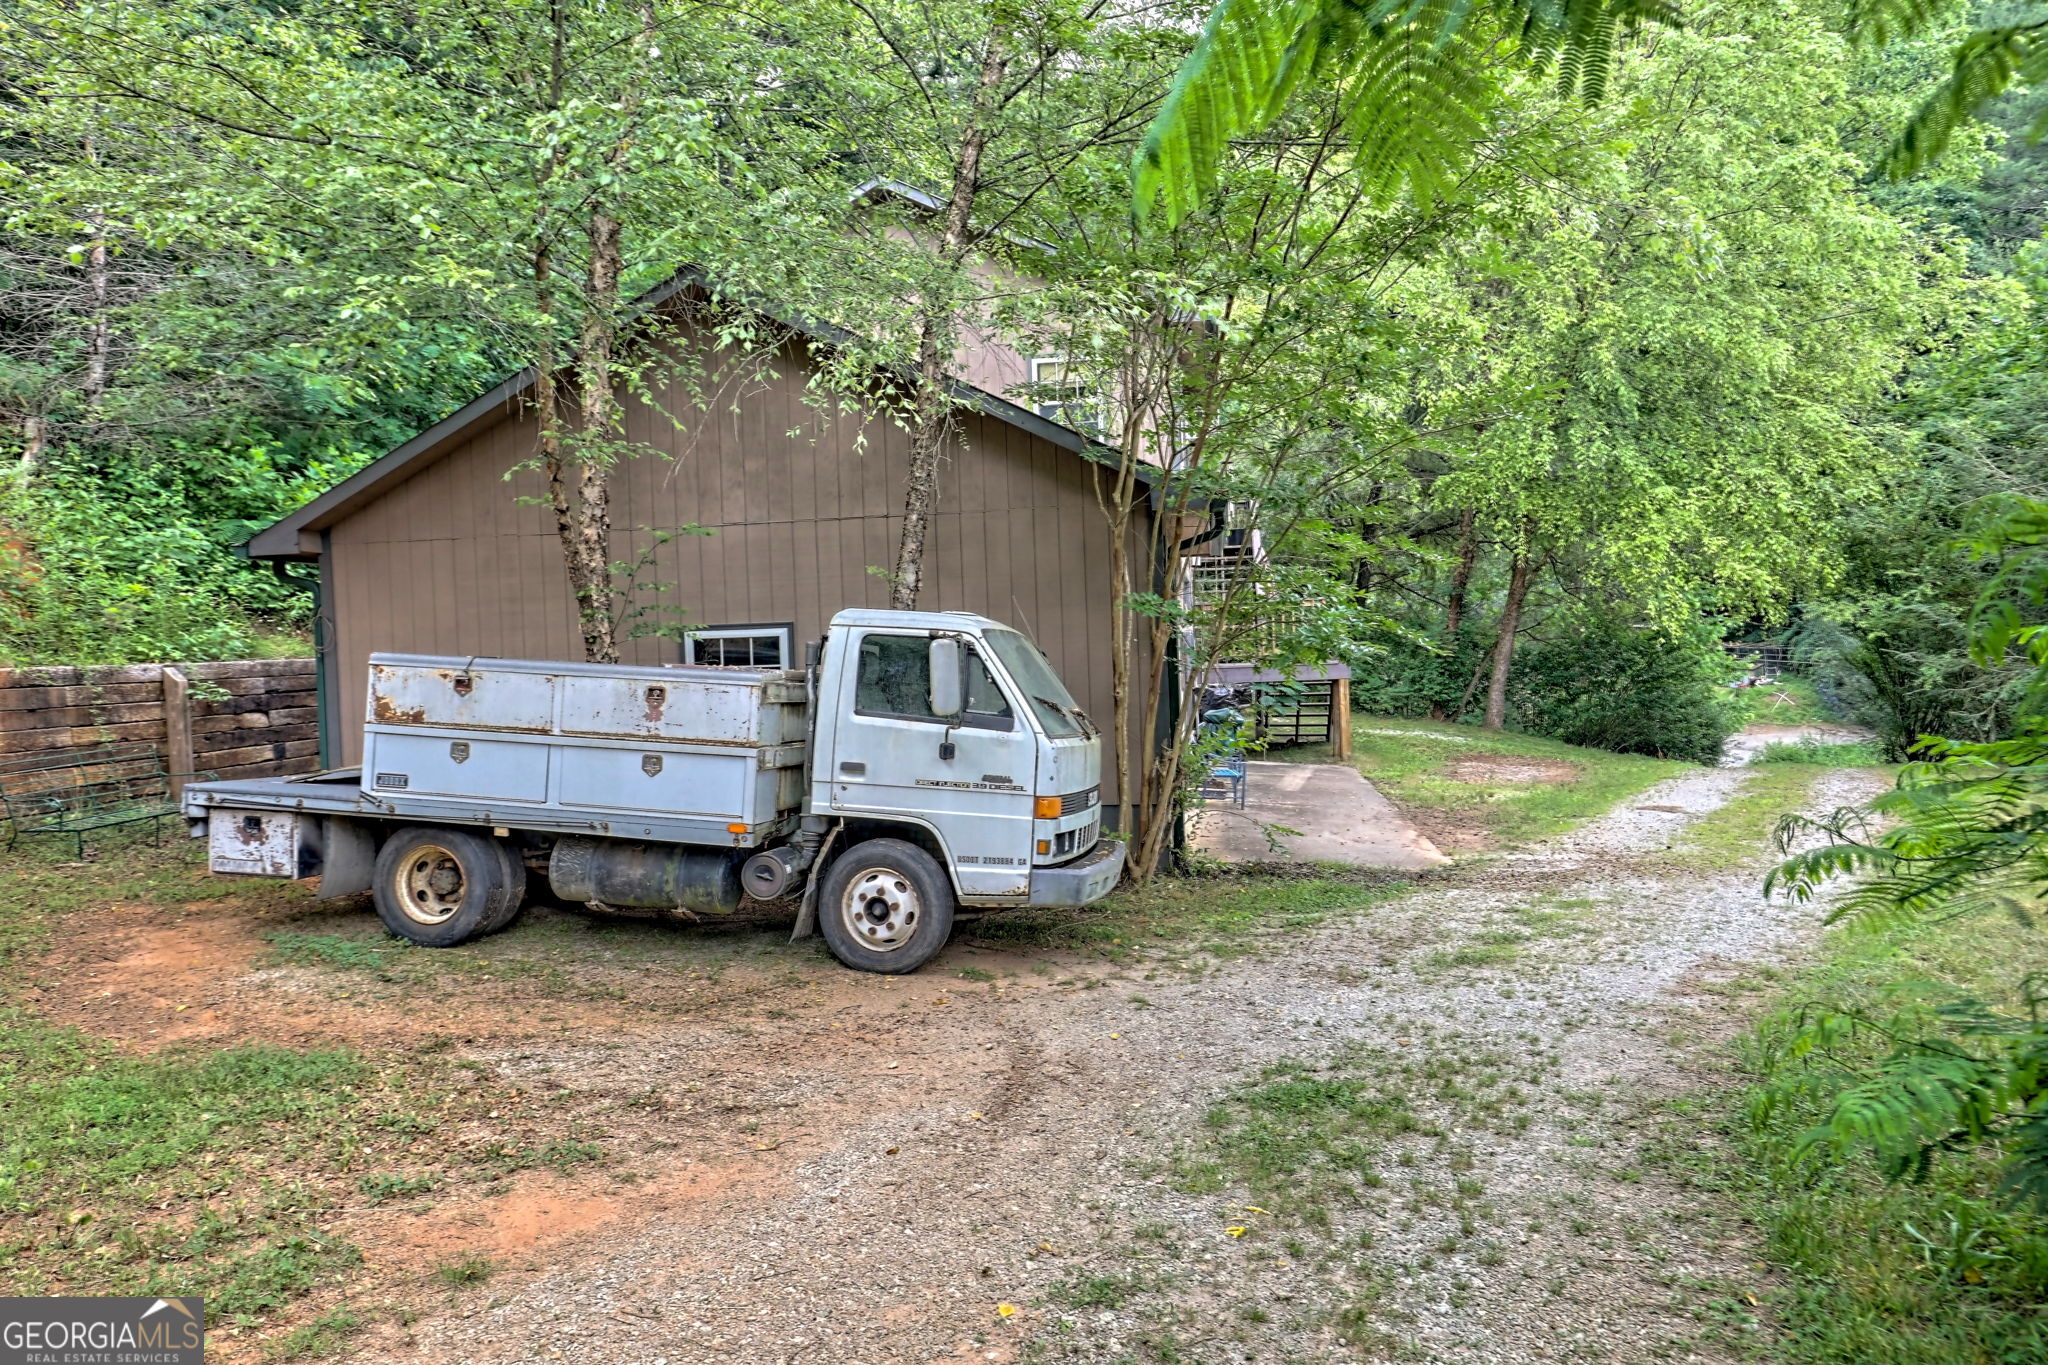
x: 886, y: 906
x: 441, y: 887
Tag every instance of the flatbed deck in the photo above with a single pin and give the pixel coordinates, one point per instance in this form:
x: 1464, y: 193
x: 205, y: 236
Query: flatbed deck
x: 339, y: 792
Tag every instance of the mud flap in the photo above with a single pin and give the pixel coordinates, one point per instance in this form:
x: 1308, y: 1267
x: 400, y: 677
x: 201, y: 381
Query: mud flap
x: 351, y: 853
x: 807, y: 913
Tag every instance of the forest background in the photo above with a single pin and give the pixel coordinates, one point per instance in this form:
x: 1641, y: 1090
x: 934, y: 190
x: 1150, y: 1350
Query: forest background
x: 1528, y: 437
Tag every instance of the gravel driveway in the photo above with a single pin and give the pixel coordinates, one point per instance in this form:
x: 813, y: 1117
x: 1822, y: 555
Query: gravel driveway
x: 1017, y: 1166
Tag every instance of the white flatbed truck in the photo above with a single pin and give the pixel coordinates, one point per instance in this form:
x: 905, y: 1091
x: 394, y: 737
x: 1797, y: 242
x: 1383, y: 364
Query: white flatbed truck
x: 920, y: 763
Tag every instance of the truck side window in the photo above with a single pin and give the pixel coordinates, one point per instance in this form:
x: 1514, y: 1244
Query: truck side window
x: 895, y: 680
x: 987, y: 707
x: 895, y: 677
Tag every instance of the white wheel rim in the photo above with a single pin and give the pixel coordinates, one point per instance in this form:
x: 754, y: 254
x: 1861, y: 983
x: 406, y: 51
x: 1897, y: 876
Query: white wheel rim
x: 880, y: 909
x: 430, y: 885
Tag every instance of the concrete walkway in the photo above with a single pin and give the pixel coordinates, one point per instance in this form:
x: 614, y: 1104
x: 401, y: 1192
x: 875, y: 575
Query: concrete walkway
x: 1338, y: 817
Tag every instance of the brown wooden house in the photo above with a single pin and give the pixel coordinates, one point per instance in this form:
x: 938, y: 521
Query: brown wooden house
x: 433, y: 550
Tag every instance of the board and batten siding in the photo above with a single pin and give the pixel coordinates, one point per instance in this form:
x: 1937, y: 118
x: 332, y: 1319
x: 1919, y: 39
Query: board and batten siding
x: 457, y: 559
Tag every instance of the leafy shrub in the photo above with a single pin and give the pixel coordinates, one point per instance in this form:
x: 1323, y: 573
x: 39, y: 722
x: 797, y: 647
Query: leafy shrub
x: 1408, y: 678
x: 1607, y: 683
x: 1916, y: 1272
x: 121, y: 565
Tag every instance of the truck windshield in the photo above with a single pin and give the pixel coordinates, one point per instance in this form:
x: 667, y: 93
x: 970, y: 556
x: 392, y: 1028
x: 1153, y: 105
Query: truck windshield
x: 1050, y: 701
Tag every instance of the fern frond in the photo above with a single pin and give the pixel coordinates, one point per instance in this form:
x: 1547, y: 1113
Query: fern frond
x: 1393, y: 61
x: 1413, y: 111
x: 1985, y: 64
x: 1877, y: 22
x: 1244, y: 68
x: 2026, y: 1172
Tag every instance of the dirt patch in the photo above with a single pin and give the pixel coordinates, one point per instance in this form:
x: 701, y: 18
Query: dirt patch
x: 1454, y: 831
x: 533, y: 1224
x: 143, y: 976
x: 1481, y: 769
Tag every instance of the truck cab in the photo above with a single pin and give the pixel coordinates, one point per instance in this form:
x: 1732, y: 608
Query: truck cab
x: 957, y: 725
x: 922, y: 763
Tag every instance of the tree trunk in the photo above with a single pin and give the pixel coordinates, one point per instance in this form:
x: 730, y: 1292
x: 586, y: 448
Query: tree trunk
x: 932, y: 422
x: 587, y: 536
x: 35, y: 438
x: 98, y: 336
x: 98, y: 282
x: 1504, y: 647
x: 1454, y: 607
x: 930, y: 427
x: 1461, y: 578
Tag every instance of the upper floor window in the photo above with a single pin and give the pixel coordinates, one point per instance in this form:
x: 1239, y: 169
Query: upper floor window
x: 1063, y: 396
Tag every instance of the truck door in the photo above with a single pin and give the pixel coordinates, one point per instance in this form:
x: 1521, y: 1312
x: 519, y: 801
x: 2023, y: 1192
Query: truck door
x: 889, y: 759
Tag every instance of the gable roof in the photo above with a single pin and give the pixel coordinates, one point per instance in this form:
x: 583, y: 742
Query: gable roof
x: 296, y: 536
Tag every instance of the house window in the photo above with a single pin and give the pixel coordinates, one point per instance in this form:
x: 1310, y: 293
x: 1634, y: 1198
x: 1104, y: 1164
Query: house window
x: 1062, y: 398
x: 755, y: 646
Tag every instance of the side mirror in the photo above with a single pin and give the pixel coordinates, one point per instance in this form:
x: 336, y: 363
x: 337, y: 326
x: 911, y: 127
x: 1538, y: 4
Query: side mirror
x: 949, y: 677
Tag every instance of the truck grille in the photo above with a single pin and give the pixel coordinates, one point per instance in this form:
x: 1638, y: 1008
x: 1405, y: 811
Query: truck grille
x: 1075, y: 840
x: 1075, y: 802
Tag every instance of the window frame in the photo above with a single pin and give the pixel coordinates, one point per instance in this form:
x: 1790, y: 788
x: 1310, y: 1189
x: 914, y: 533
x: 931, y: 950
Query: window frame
x: 966, y: 720
x: 1081, y: 402
x: 785, y: 631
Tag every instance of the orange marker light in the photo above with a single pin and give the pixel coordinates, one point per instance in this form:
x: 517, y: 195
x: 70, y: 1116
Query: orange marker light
x: 1044, y: 846
x: 1046, y: 808
x: 735, y: 829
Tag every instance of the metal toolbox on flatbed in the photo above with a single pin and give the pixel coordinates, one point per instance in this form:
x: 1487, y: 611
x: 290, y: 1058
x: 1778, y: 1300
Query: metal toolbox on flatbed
x: 574, y: 744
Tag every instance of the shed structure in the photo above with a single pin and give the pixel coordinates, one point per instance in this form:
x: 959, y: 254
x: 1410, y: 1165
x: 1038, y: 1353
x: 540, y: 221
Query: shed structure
x: 433, y: 549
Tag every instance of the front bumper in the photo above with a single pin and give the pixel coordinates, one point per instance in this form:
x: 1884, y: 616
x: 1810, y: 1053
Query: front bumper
x: 1088, y: 878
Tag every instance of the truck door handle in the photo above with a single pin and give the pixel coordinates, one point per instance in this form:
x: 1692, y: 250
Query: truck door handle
x: 854, y: 769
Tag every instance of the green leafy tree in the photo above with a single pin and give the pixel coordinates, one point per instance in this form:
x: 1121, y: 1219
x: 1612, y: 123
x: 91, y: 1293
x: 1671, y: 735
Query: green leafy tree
x: 1964, y: 832
x: 530, y: 168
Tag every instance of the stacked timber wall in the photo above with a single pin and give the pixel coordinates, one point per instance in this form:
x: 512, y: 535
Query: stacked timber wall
x: 253, y: 718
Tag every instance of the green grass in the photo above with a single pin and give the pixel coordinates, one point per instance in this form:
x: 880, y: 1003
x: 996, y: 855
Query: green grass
x: 1863, y: 754
x: 1096, y: 1291
x: 325, y: 1335
x: 205, y: 1169
x: 1935, y: 1273
x: 1790, y: 701
x: 466, y: 1270
x: 1304, y: 1140
x: 1412, y: 762
x: 1739, y: 830
x: 1222, y: 915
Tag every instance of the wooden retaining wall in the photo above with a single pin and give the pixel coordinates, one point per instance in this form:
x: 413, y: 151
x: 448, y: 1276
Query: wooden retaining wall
x: 249, y: 718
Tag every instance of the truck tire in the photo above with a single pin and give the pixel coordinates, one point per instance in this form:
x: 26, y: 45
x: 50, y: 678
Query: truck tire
x: 441, y: 887
x: 886, y: 906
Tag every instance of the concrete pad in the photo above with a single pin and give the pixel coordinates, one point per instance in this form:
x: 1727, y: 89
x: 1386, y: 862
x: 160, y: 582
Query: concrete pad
x: 1341, y: 818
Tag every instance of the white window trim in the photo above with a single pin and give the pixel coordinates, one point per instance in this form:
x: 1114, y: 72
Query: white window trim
x: 785, y: 631
x: 1078, y: 406
x: 1051, y: 409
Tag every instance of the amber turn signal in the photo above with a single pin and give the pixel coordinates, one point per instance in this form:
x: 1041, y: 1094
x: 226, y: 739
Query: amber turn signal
x: 1046, y: 808
x: 1044, y: 847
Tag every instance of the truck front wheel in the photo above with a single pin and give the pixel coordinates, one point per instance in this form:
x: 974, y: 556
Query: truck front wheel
x: 886, y: 906
x: 441, y: 887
